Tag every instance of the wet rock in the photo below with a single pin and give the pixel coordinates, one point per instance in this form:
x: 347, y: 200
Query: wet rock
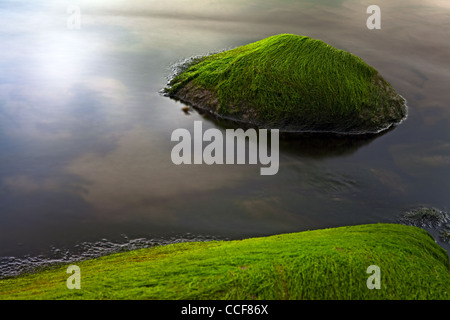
x: 425, y: 217
x: 431, y: 219
x: 291, y: 83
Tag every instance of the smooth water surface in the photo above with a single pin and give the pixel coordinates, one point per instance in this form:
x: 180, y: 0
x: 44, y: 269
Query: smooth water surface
x: 85, y: 135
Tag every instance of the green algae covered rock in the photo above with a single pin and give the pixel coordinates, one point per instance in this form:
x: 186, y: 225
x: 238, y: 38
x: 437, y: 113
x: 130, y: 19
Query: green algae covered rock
x: 327, y: 264
x: 291, y: 83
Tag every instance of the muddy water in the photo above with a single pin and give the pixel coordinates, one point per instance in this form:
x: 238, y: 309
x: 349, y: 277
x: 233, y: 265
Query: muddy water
x: 85, y: 134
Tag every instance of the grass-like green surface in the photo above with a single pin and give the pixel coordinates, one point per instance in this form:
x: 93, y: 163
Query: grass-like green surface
x: 291, y: 82
x: 321, y: 264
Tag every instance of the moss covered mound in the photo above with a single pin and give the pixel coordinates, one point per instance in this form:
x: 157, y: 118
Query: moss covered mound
x: 319, y: 264
x: 293, y: 83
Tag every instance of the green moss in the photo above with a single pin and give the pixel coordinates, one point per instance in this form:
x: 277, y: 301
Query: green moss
x: 294, y: 83
x: 320, y: 264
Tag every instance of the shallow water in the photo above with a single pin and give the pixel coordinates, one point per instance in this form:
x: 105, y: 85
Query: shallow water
x: 85, y: 134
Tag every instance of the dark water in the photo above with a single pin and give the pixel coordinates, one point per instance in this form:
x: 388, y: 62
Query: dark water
x: 85, y: 145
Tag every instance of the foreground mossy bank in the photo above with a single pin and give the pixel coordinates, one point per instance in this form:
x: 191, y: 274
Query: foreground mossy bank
x: 321, y: 264
x: 293, y: 83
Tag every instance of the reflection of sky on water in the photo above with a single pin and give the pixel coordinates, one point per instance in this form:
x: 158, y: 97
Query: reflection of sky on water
x: 85, y: 136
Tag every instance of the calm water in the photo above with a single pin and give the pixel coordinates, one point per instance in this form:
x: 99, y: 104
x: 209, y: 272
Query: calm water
x: 85, y: 134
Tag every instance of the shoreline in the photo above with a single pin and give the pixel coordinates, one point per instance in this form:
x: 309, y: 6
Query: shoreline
x: 207, y: 267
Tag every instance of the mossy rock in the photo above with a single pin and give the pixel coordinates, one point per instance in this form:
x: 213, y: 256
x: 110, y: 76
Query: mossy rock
x: 327, y: 264
x: 292, y: 83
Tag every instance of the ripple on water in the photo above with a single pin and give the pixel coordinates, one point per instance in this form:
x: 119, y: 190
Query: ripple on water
x: 435, y: 221
x: 14, y: 266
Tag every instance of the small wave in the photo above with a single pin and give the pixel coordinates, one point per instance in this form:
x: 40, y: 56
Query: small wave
x: 15, y: 266
x: 436, y: 221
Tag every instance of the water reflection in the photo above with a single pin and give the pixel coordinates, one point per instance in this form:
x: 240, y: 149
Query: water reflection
x: 305, y: 144
x: 325, y: 145
x: 142, y: 159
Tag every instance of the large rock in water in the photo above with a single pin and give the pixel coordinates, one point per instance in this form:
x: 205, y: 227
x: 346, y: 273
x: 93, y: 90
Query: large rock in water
x: 291, y: 83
